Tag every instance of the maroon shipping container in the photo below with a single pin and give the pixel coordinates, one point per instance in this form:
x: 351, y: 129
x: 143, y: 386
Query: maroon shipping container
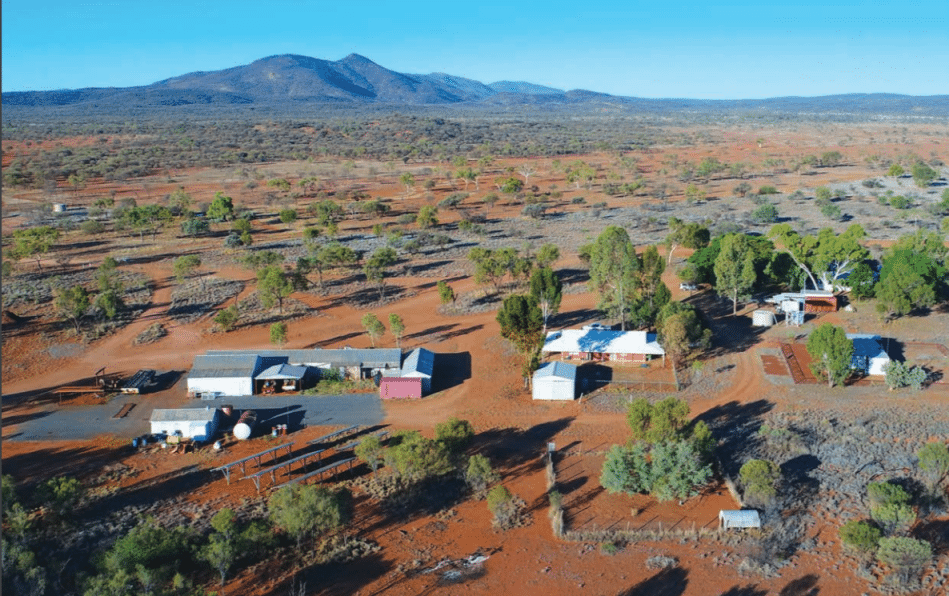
x: 820, y: 304
x: 400, y: 388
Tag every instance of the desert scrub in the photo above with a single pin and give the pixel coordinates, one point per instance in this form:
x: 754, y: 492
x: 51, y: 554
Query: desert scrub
x: 193, y: 299
x: 151, y: 334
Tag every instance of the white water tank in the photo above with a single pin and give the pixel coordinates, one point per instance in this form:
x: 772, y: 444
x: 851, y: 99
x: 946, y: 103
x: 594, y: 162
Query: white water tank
x: 762, y: 318
x: 245, y: 425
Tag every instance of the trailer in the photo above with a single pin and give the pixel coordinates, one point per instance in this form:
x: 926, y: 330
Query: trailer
x: 138, y: 381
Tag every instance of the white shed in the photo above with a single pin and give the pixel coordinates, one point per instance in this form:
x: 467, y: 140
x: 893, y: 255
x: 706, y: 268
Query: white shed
x: 555, y: 380
x: 868, y: 353
x: 199, y: 424
x: 224, y: 374
x: 420, y: 363
x: 738, y: 518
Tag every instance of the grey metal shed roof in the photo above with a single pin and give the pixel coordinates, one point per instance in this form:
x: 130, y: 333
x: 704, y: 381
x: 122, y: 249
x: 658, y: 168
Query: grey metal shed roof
x: 558, y: 369
x: 419, y: 360
x: 283, y: 371
x: 743, y: 517
x: 867, y: 345
x: 367, y: 358
x: 184, y: 415
x: 224, y: 365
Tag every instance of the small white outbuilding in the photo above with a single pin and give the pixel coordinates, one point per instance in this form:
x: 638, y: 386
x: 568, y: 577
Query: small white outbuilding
x: 868, y: 353
x: 555, y: 381
x: 199, y: 424
x: 738, y: 518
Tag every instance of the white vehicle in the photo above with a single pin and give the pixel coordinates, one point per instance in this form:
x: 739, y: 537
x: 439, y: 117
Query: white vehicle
x: 689, y: 287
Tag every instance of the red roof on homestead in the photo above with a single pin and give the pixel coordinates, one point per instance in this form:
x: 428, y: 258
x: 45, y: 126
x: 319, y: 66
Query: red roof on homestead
x: 400, y: 387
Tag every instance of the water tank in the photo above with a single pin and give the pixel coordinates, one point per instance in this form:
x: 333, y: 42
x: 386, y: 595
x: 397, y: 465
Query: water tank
x: 245, y: 425
x: 762, y: 318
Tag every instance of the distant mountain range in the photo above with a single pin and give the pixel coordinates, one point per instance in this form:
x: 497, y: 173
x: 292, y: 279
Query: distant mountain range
x: 292, y: 79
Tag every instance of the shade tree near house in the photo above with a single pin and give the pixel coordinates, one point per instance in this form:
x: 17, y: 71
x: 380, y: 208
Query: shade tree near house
x: 735, y: 272
x: 547, y: 291
x: 373, y: 326
x: 687, y: 235
x: 681, y: 331
x: 522, y: 323
x: 397, y: 327
x: 827, y: 256
x: 831, y: 352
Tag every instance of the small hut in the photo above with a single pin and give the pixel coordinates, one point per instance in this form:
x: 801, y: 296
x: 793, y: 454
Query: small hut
x: 199, y: 424
x: 555, y: 381
x: 735, y: 518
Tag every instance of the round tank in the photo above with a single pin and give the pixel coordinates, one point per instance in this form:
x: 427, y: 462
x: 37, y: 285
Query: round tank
x: 245, y: 425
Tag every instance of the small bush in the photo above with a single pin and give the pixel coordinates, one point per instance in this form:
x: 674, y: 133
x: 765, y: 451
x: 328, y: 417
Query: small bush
x: 502, y: 506
x: 860, y: 535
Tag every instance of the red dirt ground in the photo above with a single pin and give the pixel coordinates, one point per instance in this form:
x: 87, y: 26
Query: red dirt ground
x: 525, y: 560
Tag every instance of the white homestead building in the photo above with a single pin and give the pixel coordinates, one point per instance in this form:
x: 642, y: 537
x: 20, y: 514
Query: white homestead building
x: 595, y: 343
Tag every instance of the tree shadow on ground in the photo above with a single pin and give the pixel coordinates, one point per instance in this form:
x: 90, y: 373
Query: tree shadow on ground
x: 735, y: 426
x: 292, y: 416
x: 573, y: 318
x: 731, y: 333
x: 936, y: 532
x: 337, y: 579
x: 333, y: 340
x: 802, y: 586
x: 517, y: 447
x: 573, y: 276
x: 668, y: 582
x: 165, y: 380
x: 420, y: 268
x: 29, y: 469
x: 749, y: 590
x: 592, y: 376
x: 802, y: 488
x: 432, y: 284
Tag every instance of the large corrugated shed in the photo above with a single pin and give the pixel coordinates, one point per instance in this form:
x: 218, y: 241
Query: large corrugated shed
x: 224, y: 374
x: 555, y: 381
x: 371, y: 358
x: 420, y: 363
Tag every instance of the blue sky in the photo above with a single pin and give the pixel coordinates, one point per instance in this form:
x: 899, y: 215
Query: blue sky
x: 658, y: 49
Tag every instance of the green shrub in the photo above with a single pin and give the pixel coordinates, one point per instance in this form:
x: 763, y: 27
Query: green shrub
x: 860, y: 535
